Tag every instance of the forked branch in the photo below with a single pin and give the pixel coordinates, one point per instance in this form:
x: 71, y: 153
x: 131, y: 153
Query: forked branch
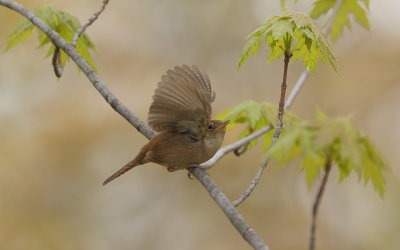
x: 216, y: 193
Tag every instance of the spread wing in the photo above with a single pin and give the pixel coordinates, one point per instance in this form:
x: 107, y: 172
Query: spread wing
x: 182, y: 102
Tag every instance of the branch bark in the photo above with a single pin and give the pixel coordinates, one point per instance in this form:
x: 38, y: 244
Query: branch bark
x: 89, y: 22
x: 317, y: 201
x: 216, y: 193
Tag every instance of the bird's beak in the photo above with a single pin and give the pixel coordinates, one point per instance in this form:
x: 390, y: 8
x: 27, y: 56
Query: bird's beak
x: 224, y: 124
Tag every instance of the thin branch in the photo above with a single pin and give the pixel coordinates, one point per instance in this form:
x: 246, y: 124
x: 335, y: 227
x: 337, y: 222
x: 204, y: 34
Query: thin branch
x: 292, y: 96
x: 232, y: 147
x: 231, y: 212
x: 89, y: 22
x: 281, y: 109
x: 296, y: 89
x: 56, y: 61
x: 277, y: 133
x: 317, y: 201
x: 252, y: 185
x: 217, y: 194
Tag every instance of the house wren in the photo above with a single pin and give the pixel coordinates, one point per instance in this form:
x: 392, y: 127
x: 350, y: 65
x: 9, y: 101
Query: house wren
x: 181, y: 114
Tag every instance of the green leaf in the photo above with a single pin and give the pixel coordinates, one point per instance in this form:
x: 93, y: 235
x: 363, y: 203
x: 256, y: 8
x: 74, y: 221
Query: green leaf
x: 321, y: 7
x: 334, y: 138
x: 255, y: 116
x: 63, y: 23
x: 357, y: 8
x: 294, y: 34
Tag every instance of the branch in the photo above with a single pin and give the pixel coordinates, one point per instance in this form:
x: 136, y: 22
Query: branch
x: 232, y: 147
x: 253, y: 184
x: 292, y: 96
x: 56, y: 62
x: 317, y: 201
x: 281, y: 109
x: 216, y: 193
x: 89, y: 22
x: 231, y: 212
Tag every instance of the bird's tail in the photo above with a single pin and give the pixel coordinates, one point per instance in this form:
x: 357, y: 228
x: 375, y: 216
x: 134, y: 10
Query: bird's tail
x: 124, y: 169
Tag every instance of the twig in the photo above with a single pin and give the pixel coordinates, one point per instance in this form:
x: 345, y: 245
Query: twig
x: 281, y: 109
x: 218, y: 195
x: 317, y: 201
x: 56, y: 61
x: 89, y: 22
x: 231, y: 212
x: 292, y: 96
x: 253, y: 184
x: 277, y: 132
x: 232, y: 147
x: 296, y: 89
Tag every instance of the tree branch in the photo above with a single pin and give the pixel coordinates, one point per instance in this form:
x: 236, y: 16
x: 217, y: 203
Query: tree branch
x: 317, y: 201
x: 89, y: 22
x: 232, y: 147
x: 231, y: 212
x: 216, y: 193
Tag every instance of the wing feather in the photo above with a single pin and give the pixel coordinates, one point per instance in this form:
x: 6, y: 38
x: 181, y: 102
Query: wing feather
x: 182, y: 102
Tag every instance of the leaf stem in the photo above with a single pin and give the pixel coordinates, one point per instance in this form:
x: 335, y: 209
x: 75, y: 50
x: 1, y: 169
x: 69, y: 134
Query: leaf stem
x: 317, y: 201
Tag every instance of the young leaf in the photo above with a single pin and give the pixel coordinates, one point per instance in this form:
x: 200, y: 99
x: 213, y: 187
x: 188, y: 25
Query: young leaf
x: 357, y: 8
x: 63, y: 23
x: 255, y: 116
x: 294, y: 34
x: 337, y: 139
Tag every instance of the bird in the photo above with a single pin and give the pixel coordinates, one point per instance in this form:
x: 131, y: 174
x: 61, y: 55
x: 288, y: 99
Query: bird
x: 181, y: 115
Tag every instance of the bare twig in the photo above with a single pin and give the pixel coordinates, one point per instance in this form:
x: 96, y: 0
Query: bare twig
x: 317, y: 201
x: 281, y: 109
x: 217, y: 194
x: 231, y: 212
x: 292, y: 96
x: 56, y: 61
x: 89, y: 22
x: 253, y: 184
x: 277, y: 133
x: 232, y: 147
x: 296, y: 89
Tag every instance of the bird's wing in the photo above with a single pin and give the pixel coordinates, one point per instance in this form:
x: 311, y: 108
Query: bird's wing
x: 182, y: 102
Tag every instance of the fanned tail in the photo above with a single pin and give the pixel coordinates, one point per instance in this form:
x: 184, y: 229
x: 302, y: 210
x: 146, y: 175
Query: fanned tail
x: 122, y: 171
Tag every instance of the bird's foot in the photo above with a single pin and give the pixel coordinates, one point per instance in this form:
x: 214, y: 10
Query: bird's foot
x: 191, y: 167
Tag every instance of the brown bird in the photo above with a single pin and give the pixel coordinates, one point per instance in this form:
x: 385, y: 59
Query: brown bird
x: 181, y: 114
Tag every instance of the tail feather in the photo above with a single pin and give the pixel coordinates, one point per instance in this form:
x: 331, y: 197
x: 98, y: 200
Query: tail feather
x: 120, y: 172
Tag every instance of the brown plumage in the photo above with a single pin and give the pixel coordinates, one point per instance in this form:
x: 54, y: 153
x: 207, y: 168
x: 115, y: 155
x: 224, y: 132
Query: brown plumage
x: 181, y: 114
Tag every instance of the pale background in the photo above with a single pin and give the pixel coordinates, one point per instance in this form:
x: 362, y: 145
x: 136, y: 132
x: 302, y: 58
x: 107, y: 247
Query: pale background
x: 59, y: 139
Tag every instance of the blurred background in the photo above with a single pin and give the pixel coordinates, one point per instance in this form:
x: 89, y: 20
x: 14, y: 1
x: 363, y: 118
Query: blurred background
x: 59, y: 139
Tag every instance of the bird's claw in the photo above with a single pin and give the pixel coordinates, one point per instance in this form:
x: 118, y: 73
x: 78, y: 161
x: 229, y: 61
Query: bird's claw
x: 191, y: 167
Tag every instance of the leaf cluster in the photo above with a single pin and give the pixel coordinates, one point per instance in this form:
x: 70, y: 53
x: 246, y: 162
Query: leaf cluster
x: 293, y: 34
x: 255, y: 116
x: 356, y: 8
x: 62, y: 22
x: 336, y: 139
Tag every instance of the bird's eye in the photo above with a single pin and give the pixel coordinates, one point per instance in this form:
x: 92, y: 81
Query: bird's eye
x: 210, y: 126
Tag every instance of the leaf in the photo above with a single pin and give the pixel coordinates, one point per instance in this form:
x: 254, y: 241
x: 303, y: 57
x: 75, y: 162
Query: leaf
x: 342, y: 18
x: 255, y: 116
x: 63, y: 23
x: 294, y: 34
x: 336, y: 138
x: 289, y: 145
x: 321, y: 7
